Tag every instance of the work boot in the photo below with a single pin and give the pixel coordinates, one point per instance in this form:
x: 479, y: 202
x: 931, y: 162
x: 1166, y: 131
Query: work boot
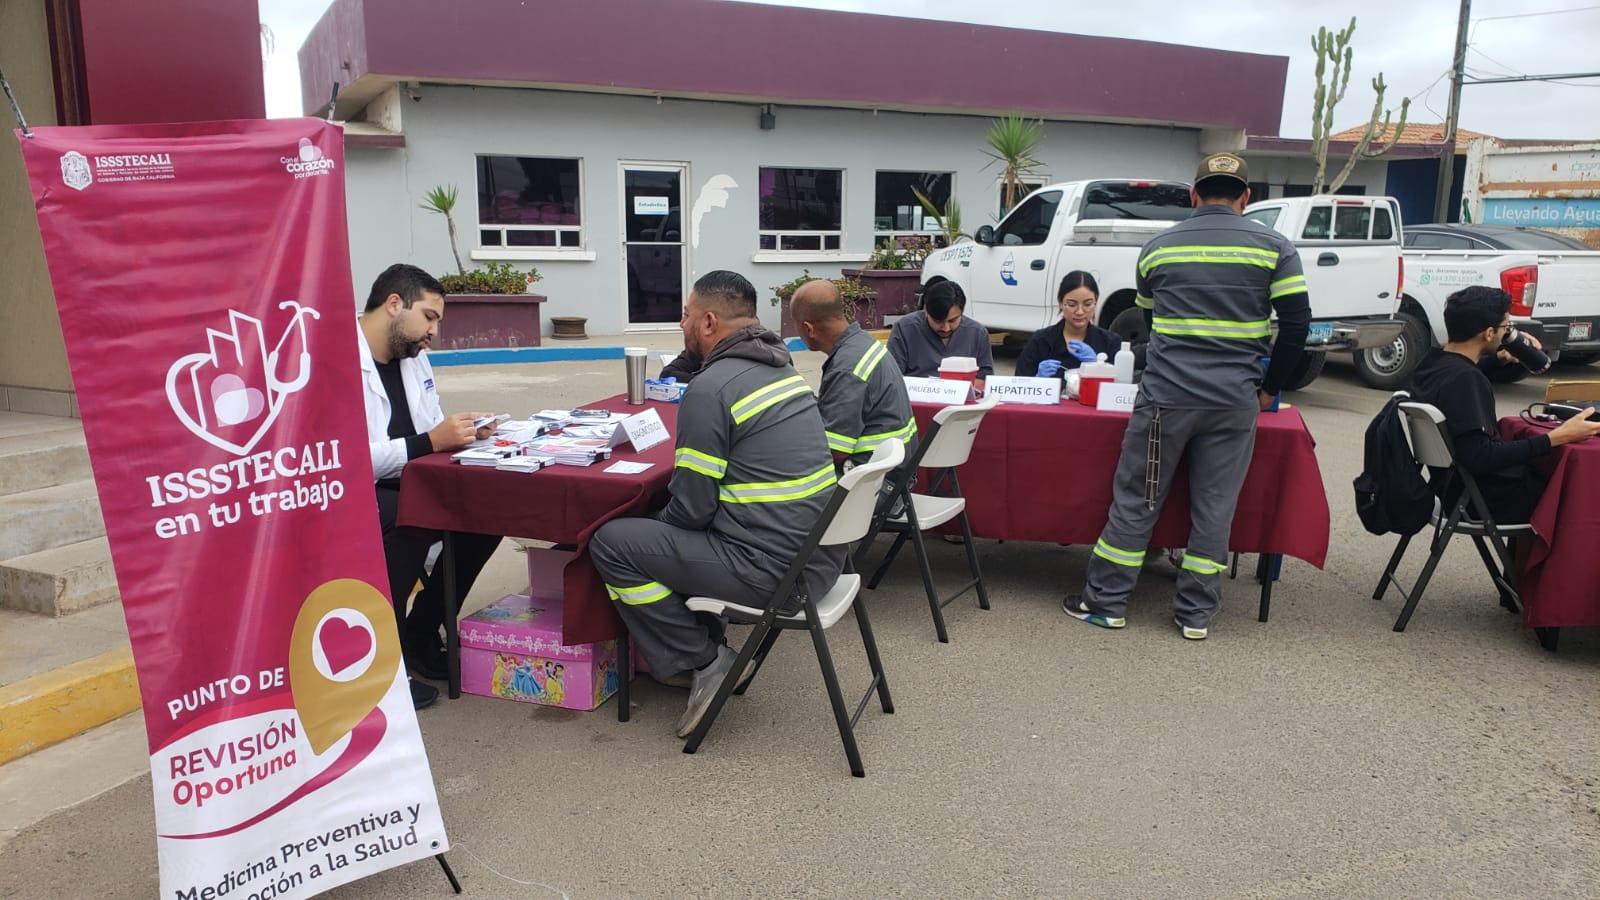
x: 422, y: 695
x: 704, y: 688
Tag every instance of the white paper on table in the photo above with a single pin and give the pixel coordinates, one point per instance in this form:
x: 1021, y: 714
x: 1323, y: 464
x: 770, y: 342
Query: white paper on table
x: 625, y: 467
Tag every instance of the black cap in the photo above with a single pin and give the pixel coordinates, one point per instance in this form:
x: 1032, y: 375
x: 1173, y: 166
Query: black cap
x: 1222, y: 165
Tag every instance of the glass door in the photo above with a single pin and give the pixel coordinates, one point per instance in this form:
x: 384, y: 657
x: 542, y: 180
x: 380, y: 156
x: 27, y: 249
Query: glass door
x: 653, y: 244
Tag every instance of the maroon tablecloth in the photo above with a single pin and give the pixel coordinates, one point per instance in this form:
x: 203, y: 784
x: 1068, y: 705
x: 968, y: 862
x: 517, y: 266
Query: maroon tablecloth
x: 1560, y: 578
x: 1043, y: 473
x: 561, y: 504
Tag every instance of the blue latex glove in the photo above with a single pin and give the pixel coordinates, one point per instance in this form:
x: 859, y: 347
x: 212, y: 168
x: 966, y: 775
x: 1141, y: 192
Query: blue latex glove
x: 1049, y: 368
x: 1082, y: 351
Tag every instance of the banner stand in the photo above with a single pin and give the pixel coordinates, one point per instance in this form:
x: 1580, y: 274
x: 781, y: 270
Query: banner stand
x: 448, y: 872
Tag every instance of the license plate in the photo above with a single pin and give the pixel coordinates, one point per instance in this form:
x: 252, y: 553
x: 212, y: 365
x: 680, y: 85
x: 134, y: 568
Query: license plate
x: 1321, y: 333
x: 1578, y: 331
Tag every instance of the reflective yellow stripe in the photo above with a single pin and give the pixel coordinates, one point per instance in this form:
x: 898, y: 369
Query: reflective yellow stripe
x: 1283, y: 287
x: 1144, y: 302
x: 840, y: 443
x: 649, y: 592
x: 1117, y: 555
x: 704, y: 463
x: 1217, y: 328
x: 1200, y: 565
x: 776, y: 392
x: 869, y: 361
x: 872, y: 441
x: 779, y: 491
x: 1250, y: 256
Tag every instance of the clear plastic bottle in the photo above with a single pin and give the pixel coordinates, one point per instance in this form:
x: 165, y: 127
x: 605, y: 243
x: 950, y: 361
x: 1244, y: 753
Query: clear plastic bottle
x: 1124, y: 364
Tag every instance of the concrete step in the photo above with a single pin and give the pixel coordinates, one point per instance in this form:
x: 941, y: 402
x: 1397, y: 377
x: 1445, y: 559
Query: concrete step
x: 61, y: 580
x: 61, y: 676
x: 49, y: 517
x: 41, y: 459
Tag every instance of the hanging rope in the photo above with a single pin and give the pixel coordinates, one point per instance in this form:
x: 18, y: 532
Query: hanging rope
x: 15, y: 109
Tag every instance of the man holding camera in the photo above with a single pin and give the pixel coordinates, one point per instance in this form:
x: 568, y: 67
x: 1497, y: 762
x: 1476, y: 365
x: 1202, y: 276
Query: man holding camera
x: 1451, y: 378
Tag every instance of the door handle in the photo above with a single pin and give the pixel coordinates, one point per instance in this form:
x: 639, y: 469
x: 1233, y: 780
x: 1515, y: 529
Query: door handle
x: 1037, y: 265
x: 1328, y: 259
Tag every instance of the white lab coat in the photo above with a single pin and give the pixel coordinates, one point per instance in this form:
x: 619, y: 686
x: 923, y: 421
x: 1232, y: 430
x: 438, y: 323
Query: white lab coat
x: 416, y: 373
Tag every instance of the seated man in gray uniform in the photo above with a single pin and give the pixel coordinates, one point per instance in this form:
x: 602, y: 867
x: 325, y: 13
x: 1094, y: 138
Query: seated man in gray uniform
x: 752, y: 475
x: 863, y: 401
x: 923, y: 339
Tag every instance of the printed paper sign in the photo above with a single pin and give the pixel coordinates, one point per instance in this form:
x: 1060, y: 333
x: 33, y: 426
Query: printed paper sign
x: 645, y: 430
x: 1116, y: 397
x: 230, y: 456
x: 651, y: 206
x: 943, y: 391
x: 1012, y: 389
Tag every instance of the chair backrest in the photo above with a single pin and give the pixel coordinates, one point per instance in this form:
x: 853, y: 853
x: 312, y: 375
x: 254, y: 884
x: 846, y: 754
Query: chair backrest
x: 1571, y: 390
x: 860, y: 487
x: 1425, y: 423
x: 956, y: 429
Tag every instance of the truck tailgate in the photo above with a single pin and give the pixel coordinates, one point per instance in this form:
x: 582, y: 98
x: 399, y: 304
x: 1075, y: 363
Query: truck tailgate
x: 1569, y: 286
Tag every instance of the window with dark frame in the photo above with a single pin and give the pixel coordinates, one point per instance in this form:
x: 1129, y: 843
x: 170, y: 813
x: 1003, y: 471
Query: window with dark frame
x: 801, y: 209
x: 896, y: 212
x: 529, y: 202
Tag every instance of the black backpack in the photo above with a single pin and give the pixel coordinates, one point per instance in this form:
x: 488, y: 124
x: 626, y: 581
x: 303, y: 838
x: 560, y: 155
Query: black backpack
x: 1392, y: 497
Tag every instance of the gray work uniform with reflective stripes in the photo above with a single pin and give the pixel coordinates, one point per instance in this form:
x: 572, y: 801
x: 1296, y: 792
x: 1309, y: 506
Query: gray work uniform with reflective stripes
x: 752, y: 474
x: 864, y: 401
x: 1211, y: 283
x: 918, y: 350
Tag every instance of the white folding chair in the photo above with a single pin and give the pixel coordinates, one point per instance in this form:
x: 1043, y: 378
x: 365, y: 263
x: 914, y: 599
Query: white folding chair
x: 846, y: 519
x: 945, y: 447
x: 1469, y: 515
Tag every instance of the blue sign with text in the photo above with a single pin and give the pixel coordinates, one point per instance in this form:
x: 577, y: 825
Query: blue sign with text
x: 1543, y: 213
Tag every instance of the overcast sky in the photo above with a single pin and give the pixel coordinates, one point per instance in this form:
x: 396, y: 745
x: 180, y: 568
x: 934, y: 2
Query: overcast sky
x: 1408, y: 40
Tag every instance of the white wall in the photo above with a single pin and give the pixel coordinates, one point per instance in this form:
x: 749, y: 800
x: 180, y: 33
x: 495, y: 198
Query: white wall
x: 449, y: 126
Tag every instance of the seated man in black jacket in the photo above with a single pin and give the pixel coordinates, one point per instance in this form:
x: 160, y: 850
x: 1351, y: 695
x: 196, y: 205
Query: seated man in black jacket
x: 1451, y: 378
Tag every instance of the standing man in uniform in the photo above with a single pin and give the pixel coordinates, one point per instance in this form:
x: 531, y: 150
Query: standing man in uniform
x: 863, y: 401
x: 752, y: 474
x: 1209, y: 286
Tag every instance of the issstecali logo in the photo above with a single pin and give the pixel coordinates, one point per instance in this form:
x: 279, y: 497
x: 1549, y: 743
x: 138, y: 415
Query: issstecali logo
x: 307, y: 162
x: 75, y: 172
x: 79, y: 171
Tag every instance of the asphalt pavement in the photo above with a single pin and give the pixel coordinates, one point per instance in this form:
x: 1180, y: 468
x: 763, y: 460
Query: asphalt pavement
x: 1320, y: 754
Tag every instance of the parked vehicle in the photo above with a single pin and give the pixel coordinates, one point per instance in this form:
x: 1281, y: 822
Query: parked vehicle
x: 1567, y: 276
x: 1010, y: 271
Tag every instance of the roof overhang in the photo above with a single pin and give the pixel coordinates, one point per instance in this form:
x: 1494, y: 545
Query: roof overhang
x: 1270, y: 145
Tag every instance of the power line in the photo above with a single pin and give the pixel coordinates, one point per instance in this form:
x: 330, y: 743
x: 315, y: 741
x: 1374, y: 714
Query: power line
x: 1548, y: 12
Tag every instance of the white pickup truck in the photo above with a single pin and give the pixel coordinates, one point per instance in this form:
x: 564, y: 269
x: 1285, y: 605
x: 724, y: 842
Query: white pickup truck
x: 1554, y: 283
x: 1010, y: 271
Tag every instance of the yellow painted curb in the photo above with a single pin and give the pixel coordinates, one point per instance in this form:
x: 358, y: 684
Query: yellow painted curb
x: 53, y: 706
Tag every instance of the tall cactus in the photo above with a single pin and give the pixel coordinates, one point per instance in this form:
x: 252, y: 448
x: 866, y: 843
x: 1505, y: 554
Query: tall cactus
x: 1335, y: 47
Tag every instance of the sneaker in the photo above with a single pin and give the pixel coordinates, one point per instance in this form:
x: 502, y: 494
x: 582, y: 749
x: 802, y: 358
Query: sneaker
x: 685, y: 680
x: 1074, y: 606
x: 423, y: 695
x: 704, y: 689
x: 1191, y: 634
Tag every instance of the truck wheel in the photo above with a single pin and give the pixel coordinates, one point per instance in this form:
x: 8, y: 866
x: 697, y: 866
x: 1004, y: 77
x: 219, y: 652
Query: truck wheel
x: 1389, y: 367
x: 1579, y: 359
x: 1306, y: 371
x: 1129, y: 325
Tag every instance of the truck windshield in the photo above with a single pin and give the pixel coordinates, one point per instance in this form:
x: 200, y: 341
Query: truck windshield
x: 1155, y: 200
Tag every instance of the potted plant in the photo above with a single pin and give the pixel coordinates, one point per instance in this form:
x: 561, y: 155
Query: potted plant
x: 892, y: 275
x: 858, y: 299
x: 489, y: 306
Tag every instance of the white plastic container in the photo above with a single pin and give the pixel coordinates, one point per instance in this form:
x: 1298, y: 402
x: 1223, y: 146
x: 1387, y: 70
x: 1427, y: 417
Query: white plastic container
x: 959, y: 368
x: 1124, y: 364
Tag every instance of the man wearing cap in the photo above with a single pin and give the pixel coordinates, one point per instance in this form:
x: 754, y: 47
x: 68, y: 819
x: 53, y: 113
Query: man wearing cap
x: 1209, y: 286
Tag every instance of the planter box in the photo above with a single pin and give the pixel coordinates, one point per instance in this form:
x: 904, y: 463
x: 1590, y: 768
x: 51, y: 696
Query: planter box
x: 896, y: 290
x: 476, y: 321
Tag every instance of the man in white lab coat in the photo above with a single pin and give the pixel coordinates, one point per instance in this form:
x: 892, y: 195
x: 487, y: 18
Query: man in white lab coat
x: 404, y: 421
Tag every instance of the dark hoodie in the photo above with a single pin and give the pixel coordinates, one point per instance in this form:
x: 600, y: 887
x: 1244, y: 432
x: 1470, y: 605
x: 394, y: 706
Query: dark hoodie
x: 752, y: 465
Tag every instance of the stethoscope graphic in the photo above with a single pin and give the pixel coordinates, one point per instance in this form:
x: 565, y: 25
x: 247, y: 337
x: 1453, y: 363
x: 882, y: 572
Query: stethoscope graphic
x: 281, y: 389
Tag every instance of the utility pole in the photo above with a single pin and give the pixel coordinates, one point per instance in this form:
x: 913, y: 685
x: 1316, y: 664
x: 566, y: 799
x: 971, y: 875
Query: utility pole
x: 1447, y: 161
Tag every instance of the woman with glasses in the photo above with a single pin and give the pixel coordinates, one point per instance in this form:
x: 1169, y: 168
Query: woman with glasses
x: 1073, y: 340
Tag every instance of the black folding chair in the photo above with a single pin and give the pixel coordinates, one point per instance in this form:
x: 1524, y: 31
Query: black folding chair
x: 846, y: 518
x: 946, y: 446
x: 1431, y: 446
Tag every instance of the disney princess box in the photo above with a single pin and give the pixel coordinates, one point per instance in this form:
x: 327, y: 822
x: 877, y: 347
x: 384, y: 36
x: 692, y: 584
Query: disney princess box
x: 513, y: 650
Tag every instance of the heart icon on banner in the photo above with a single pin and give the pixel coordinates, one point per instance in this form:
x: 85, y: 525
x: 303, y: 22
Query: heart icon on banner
x: 343, y: 644
x: 234, y: 402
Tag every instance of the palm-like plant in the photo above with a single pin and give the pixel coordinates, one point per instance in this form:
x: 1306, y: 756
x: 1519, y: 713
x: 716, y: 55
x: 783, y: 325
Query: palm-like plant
x: 949, y: 218
x: 442, y: 200
x: 1012, y: 142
